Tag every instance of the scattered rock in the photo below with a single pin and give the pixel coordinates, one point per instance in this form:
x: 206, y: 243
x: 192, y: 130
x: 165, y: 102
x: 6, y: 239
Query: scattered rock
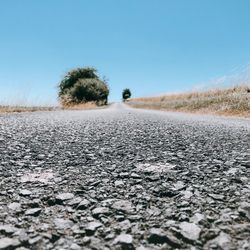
x: 189, y: 231
x: 126, y: 240
x: 157, y: 236
x: 33, y: 211
x: 179, y: 185
x: 186, y: 194
x: 96, y: 212
x: 123, y: 205
x: 135, y: 176
x: 40, y: 156
x: 60, y: 198
x: 86, y: 240
x: 7, y: 229
x: 74, y: 202
x: 217, y: 196
x: 83, y: 204
x: 162, y: 191
x: 197, y: 217
x: 110, y: 236
x: 124, y: 175
x: 25, y: 192
x: 160, y: 168
x: 246, y: 164
x: 92, y: 227
x: 35, y: 240
x: 75, y: 246
x: 244, y: 209
x: 223, y: 241
x: 14, y: 206
x: 8, y: 243
x: 124, y: 225
x: 63, y: 223
x: 119, y: 183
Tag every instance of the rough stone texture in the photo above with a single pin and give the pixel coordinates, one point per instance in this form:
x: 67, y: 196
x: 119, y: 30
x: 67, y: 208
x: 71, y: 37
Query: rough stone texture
x: 119, y: 178
x: 63, y: 197
x: 63, y: 223
x: 158, y: 236
x: 99, y: 211
x: 33, y: 211
x: 8, y: 243
x: 15, y: 206
x: 123, y: 205
x: 190, y: 231
x: 125, y: 240
x: 92, y: 227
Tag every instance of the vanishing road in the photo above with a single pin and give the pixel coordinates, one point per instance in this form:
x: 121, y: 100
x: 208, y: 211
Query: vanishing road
x: 121, y: 178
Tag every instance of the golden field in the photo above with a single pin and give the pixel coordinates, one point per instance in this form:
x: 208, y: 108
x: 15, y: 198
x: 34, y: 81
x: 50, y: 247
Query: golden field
x: 18, y: 109
x: 233, y: 101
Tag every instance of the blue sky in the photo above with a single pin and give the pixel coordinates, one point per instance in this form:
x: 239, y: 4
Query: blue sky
x: 150, y: 46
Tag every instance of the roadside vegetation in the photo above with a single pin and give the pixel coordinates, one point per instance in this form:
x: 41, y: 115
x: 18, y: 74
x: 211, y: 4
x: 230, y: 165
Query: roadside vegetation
x: 81, y: 106
x: 229, y: 101
x: 80, y: 88
x: 83, y: 87
x: 126, y: 94
x: 17, y: 109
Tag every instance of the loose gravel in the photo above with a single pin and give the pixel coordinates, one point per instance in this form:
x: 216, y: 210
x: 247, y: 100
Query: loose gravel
x: 121, y: 178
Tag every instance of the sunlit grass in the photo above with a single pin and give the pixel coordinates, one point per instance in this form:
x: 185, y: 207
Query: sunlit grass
x: 81, y: 106
x: 227, y: 101
x: 9, y: 109
x: 12, y: 105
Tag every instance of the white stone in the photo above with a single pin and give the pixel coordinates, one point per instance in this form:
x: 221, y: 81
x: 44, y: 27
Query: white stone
x: 123, y: 205
x: 93, y: 225
x: 124, y: 239
x: 119, y: 183
x: 65, y: 196
x: 156, y: 168
x: 63, y: 224
x: 100, y: 210
x: 190, y: 231
x: 8, y: 243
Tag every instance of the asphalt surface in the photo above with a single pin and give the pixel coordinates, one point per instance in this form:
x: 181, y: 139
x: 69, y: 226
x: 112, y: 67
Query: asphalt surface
x: 122, y: 178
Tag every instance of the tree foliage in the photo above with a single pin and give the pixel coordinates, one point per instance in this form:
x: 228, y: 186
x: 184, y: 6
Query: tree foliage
x: 126, y: 93
x: 83, y: 85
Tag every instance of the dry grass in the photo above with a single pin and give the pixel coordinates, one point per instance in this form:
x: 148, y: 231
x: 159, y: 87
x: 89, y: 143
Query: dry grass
x: 82, y: 106
x: 18, y: 109
x: 233, y: 101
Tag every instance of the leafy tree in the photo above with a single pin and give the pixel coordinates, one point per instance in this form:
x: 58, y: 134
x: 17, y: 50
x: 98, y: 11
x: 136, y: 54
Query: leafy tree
x: 126, y: 93
x: 83, y: 85
x: 86, y: 90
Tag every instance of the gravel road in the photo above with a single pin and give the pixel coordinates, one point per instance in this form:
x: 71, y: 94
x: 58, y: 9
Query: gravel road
x: 121, y: 178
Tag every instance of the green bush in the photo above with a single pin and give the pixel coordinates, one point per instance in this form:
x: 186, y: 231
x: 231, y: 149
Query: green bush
x: 83, y: 85
x: 126, y: 93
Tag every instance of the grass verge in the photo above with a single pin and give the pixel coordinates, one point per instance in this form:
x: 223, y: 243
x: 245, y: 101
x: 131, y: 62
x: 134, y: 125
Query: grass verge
x: 83, y: 106
x: 18, y: 109
x: 233, y: 101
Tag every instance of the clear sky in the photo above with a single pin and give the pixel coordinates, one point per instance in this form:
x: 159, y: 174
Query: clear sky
x: 149, y: 46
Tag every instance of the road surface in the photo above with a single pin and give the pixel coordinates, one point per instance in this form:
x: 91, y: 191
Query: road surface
x: 121, y: 178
